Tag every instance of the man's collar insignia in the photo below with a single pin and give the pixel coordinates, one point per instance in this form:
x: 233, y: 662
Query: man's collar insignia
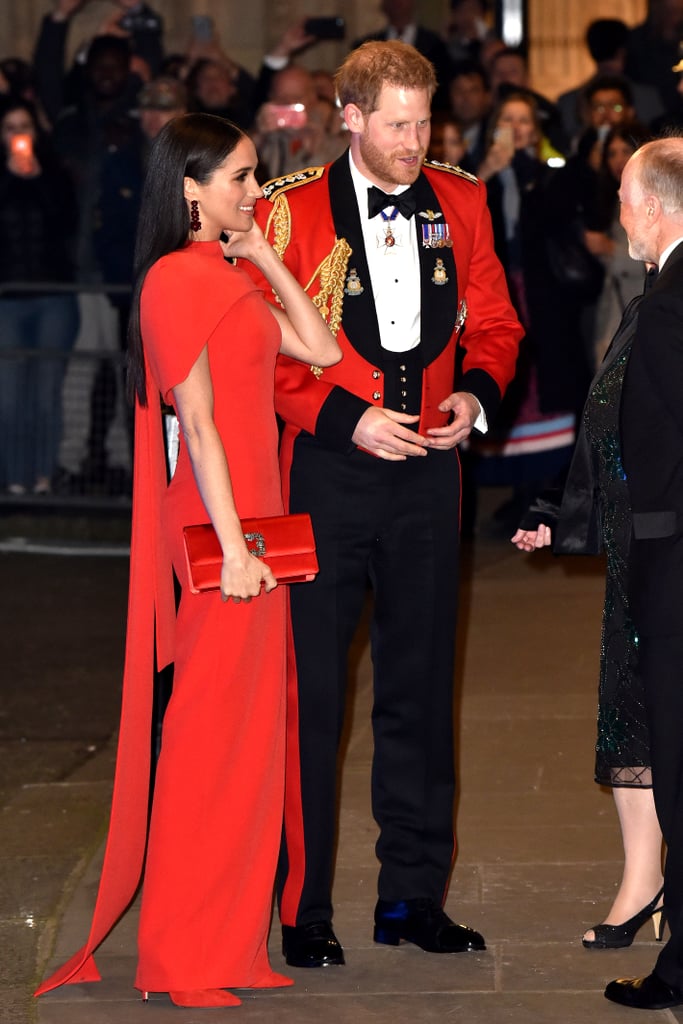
x: 275, y: 186
x: 438, y: 165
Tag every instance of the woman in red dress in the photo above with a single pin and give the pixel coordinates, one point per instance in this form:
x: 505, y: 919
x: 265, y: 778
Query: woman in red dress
x: 204, y: 340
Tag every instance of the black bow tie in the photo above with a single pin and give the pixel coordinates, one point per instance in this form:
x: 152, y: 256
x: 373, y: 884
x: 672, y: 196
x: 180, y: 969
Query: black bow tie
x: 378, y: 201
x: 650, y: 278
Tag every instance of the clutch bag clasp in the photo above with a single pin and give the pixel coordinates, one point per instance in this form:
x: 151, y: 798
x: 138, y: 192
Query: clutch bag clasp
x: 259, y: 540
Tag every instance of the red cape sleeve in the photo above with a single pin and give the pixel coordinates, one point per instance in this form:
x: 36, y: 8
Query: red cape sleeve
x: 184, y: 299
x: 151, y: 611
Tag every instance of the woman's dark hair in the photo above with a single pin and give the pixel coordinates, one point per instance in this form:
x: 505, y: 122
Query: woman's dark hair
x: 193, y: 76
x: 43, y: 147
x: 606, y: 196
x: 12, y: 102
x: 191, y: 146
x: 516, y: 96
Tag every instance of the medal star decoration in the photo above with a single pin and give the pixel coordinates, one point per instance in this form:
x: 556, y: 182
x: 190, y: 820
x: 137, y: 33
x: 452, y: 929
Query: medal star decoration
x: 389, y: 240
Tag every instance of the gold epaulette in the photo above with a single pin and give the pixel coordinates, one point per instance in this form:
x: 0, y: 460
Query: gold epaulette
x: 436, y: 165
x: 275, y: 186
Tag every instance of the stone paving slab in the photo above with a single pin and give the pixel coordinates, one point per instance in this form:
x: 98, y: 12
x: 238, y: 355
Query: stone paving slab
x: 539, y: 852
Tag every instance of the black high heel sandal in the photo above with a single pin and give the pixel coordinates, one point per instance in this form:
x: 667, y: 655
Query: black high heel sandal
x: 616, y: 936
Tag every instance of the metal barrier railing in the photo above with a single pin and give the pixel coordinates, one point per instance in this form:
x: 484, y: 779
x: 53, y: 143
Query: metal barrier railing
x: 65, y: 426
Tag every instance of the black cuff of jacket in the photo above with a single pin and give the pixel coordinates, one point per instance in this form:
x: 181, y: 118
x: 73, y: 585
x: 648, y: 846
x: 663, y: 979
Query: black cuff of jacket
x: 544, y: 511
x: 338, y: 419
x: 484, y: 388
x: 60, y: 26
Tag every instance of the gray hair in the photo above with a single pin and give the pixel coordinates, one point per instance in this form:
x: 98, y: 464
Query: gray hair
x: 660, y: 172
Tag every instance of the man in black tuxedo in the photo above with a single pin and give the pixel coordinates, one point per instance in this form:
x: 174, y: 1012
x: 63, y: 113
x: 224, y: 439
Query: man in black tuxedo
x: 401, y: 25
x: 651, y: 196
x: 397, y: 253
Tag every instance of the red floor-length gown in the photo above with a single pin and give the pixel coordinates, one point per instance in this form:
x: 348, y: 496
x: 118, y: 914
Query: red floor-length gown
x: 217, y: 811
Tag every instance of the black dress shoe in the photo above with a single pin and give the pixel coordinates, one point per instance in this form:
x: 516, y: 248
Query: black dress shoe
x: 311, y: 945
x: 650, y: 993
x: 424, y: 923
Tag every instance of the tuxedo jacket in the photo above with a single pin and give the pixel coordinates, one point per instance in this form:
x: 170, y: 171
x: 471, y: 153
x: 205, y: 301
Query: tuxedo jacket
x: 313, y: 222
x: 652, y: 449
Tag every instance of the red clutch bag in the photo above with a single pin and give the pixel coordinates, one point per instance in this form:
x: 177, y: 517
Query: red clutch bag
x: 285, y: 543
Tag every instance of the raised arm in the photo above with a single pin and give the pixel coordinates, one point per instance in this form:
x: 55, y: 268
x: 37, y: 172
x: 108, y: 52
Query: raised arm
x: 305, y: 335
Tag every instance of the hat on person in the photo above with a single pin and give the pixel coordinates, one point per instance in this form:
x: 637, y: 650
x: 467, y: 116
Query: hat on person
x: 163, y: 94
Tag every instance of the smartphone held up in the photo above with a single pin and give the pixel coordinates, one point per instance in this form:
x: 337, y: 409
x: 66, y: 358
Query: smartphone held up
x: 202, y: 28
x: 21, y: 151
x: 325, y: 28
x: 285, y: 116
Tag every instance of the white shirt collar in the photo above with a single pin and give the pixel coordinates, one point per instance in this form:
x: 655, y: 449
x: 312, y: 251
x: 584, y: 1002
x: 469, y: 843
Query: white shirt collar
x: 667, y: 252
x: 408, y: 35
x: 361, y: 184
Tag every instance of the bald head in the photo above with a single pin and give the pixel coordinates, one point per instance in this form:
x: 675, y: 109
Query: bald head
x: 651, y: 195
x: 293, y: 85
x: 659, y: 170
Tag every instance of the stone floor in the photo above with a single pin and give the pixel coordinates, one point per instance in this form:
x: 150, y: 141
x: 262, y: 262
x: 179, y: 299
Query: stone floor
x: 539, y: 851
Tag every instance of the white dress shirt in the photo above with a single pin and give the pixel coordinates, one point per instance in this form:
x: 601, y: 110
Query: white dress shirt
x: 394, y: 270
x: 667, y: 252
x: 394, y: 275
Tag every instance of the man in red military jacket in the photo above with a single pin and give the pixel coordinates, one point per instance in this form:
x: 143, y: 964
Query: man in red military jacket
x: 370, y: 450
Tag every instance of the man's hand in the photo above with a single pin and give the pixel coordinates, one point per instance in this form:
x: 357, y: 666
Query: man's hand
x: 293, y: 39
x: 111, y: 27
x: 380, y: 431
x: 64, y: 9
x: 465, y: 409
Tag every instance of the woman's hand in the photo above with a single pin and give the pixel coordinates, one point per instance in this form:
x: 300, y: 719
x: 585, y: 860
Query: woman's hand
x: 599, y: 243
x: 305, y: 334
x: 243, y: 575
x: 531, y: 540
x: 24, y: 165
x: 247, y: 244
x: 499, y: 155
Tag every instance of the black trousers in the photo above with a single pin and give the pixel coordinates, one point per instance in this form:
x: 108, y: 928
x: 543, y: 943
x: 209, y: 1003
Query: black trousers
x: 396, y: 525
x: 661, y: 661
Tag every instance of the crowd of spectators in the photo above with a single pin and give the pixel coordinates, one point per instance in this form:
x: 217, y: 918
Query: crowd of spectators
x: 551, y: 167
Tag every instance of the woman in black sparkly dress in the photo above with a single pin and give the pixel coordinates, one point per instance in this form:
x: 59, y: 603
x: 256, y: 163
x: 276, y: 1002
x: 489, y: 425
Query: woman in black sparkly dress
x: 594, y: 515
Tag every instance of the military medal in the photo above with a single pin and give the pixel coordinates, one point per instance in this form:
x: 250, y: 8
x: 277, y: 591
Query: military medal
x: 353, y: 285
x: 439, y: 276
x: 389, y: 240
x: 436, y: 236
